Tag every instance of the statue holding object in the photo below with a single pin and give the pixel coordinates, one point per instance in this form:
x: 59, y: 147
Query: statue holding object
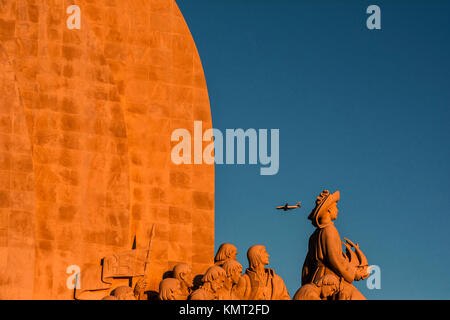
x: 325, y: 255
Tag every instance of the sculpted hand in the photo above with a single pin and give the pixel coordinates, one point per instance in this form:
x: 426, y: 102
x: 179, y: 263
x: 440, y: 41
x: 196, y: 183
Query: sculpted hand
x: 139, y: 288
x: 362, y: 273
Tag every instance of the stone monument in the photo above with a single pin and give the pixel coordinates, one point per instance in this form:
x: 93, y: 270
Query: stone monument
x: 91, y: 205
x: 86, y: 116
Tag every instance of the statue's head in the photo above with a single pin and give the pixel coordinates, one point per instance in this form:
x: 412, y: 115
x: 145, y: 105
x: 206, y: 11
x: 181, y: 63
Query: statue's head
x: 170, y: 289
x: 214, y: 277
x: 123, y: 293
x: 325, y: 209
x: 183, y: 273
x: 233, y: 270
x: 329, y: 285
x: 257, y: 255
x: 227, y: 251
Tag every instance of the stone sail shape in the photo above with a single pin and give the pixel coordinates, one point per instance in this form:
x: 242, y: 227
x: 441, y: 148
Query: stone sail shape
x: 86, y: 120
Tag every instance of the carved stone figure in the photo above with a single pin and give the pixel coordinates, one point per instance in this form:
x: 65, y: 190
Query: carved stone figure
x: 212, y: 283
x: 74, y: 154
x: 183, y: 273
x: 139, y: 289
x: 170, y: 289
x: 325, y: 255
x: 258, y: 282
x: 227, y: 251
x: 326, y: 287
x: 123, y: 293
x: 132, y: 264
x: 233, y: 269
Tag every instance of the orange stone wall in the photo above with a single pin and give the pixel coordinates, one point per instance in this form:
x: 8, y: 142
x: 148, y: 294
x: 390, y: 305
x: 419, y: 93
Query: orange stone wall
x: 86, y: 118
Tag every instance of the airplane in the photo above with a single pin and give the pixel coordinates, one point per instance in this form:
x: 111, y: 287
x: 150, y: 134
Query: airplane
x: 287, y: 207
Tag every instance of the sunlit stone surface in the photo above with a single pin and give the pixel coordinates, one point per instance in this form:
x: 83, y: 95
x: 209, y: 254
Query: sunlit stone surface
x: 85, y: 123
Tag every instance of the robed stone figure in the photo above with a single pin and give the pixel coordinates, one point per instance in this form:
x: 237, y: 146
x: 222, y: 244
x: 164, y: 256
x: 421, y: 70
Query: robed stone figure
x: 325, y: 255
x: 258, y: 282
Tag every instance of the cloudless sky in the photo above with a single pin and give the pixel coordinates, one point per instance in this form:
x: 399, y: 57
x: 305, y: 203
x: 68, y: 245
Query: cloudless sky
x: 365, y: 112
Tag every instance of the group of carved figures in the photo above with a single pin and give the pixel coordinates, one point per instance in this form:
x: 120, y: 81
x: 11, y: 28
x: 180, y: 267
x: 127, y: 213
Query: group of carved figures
x: 328, y: 271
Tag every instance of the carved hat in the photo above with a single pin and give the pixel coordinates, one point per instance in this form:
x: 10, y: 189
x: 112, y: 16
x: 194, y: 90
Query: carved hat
x: 323, y: 202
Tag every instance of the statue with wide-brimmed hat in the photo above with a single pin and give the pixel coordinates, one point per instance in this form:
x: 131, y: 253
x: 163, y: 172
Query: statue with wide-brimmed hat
x: 325, y: 255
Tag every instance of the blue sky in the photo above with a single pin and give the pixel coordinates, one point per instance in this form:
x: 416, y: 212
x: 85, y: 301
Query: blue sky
x: 362, y: 111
